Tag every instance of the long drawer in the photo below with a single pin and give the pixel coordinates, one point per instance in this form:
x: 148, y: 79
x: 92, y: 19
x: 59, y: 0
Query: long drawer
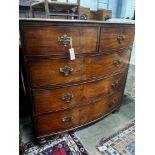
x: 48, y: 100
x: 44, y: 72
x: 116, y: 37
x: 68, y: 119
x: 45, y: 40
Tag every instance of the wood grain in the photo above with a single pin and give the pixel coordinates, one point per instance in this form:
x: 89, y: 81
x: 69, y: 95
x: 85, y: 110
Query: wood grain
x: 44, y: 40
x: 108, y: 37
x: 81, y: 115
x: 44, y: 72
x: 49, y: 100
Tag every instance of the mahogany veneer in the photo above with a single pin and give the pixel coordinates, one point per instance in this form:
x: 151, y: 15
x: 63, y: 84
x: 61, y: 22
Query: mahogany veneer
x: 77, y: 116
x: 67, y: 94
x: 42, y: 40
x: 48, y: 100
x: 44, y: 72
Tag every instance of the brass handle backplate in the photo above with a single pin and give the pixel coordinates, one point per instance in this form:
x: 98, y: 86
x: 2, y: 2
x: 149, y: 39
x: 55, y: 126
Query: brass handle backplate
x: 67, y: 97
x: 117, y: 62
x: 66, y: 71
x: 67, y: 119
x: 115, y: 83
x: 64, y: 40
x: 120, y: 38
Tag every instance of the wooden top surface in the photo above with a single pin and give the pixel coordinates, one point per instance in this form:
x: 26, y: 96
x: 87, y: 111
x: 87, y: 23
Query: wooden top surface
x: 77, y: 21
x: 55, y: 3
x: 26, y: 3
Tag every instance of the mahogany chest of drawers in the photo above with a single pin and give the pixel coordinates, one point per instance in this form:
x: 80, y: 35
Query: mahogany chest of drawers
x: 66, y: 94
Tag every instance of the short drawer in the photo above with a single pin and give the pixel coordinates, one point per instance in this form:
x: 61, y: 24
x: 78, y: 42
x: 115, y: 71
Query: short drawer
x: 48, y: 100
x: 46, y: 40
x: 116, y: 37
x: 44, y: 72
x: 68, y: 119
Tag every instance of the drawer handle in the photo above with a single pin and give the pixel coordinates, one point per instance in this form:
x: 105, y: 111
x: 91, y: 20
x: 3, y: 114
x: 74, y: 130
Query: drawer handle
x: 64, y: 40
x: 67, y: 119
x: 117, y: 62
x: 66, y: 71
x: 111, y: 104
x: 120, y: 38
x: 67, y: 97
x: 115, y: 83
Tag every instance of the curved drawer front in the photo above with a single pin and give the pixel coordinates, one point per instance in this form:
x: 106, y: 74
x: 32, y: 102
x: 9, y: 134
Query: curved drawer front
x: 61, y: 121
x: 63, y: 98
x: 41, y: 40
x: 46, y: 72
x: 115, y: 38
x: 50, y: 72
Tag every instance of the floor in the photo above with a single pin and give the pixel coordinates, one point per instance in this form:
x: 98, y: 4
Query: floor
x: 90, y: 136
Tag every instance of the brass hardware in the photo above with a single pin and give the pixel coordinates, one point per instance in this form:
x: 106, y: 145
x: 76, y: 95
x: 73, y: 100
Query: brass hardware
x: 67, y: 97
x: 64, y: 40
x: 111, y: 104
x: 67, y: 119
x: 117, y: 62
x: 115, y: 83
x: 106, y: 17
x: 66, y: 70
x: 120, y: 38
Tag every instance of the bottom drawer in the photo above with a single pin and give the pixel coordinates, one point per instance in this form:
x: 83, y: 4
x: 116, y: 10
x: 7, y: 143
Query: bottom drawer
x: 67, y: 119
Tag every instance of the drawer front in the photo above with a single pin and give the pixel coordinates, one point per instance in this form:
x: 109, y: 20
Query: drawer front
x: 44, y: 72
x: 115, y: 38
x: 61, y: 121
x: 43, y: 40
x: 63, y: 98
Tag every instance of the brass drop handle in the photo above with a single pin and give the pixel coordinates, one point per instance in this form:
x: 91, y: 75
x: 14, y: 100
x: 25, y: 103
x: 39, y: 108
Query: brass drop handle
x: 120, y: 38
x: 67, y: 119
x: 115, y: 83
x: 117, y: 62
x: 67, y: 97
x: 111, y: 104
x: 64, y: 40
x: 66, y: 71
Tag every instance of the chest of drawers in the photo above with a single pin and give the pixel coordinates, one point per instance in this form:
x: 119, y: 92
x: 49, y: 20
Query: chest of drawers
x: 66, y: 94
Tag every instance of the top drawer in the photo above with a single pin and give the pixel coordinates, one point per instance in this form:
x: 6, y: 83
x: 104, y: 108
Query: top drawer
x: 43, y: 40
x: 116, y: 37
